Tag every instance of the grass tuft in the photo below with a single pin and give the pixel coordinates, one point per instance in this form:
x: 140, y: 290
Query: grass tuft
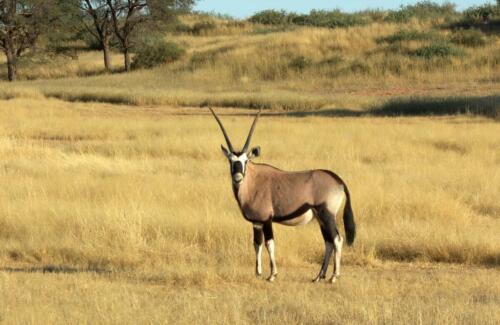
x: 441, y: 50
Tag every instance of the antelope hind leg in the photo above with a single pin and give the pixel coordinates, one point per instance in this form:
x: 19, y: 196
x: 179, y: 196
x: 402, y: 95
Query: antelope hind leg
x: 328, y: 253
x: 337, y: 246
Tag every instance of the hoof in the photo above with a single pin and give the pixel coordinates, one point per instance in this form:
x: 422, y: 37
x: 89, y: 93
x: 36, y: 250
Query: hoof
x: 258, y: 274
x: 318, y: 278
x: 271, y: 278
x: 334, y: 279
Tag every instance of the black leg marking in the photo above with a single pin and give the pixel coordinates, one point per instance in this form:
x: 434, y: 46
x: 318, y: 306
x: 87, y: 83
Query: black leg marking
x: 329, y: 231
x: 258, y: 235
x: 269, y: 238
x: 258, y: 238
x: 268, y: 230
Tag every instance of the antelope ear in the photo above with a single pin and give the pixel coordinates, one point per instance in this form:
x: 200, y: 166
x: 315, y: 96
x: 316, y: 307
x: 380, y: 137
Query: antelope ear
x: 255, y: 152
x: 225, y: 151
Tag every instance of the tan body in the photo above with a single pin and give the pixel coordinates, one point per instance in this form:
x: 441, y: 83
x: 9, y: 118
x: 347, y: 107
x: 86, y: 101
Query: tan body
x: 266, y: 194
x: 289, y: 198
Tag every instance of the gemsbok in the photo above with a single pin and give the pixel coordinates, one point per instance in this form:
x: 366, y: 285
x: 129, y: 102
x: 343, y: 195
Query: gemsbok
x: 266, y: 194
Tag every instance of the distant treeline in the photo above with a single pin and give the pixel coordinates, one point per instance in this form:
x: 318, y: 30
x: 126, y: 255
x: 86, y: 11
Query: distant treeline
x: 53, y: 27
x: 424, y: 10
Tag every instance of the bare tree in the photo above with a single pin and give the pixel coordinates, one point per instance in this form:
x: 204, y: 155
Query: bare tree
x: 127, y: 15
x: 100, y: 26
x: 21, y: 22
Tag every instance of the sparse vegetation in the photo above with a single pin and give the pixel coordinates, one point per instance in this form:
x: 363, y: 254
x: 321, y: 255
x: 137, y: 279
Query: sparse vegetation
x: 409, y: 35
x: 124, y: 214
x: 154, y: 51
x: 238, y: 65
x: 423, y: 10
x: 439, y: 50
x: 469, y: 38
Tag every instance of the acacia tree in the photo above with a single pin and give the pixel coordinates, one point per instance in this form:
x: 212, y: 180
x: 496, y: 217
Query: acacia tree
x: 21, y: 23
x: 100, y: 25
x: 127, y: 15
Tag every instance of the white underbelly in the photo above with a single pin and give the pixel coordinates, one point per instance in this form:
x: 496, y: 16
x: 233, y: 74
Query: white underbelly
x: 300, y: 220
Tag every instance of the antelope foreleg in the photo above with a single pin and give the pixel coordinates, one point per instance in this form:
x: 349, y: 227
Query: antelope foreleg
x: 268, y: 235
x: 258, y: 238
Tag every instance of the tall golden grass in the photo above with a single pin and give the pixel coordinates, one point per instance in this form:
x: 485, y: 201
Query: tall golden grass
x: 118, y: 214
x: 93, y: 185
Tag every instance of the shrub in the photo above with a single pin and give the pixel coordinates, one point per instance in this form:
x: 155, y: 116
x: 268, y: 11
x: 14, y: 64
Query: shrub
x: 470, y: 38
x: 319, y: 18
x: 299, y: 63
x: 408, y: 35
x: 358, y: 66
x: 271, y: 17
x: 482, y: 13
x: 373, y: 15
x: 202, y: 26
x: 155, y: 51
x: 331, y: 19
x: 333, y: 60
x: 423, y: 10
x: 439, y: 50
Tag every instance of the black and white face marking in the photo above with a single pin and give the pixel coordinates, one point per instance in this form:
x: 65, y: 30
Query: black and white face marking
x: 238, y: 163
x: 238, y: 166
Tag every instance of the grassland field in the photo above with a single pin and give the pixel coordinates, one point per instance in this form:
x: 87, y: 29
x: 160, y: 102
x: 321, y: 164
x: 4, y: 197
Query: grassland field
x: 113, y: 213
x: 116, y: 203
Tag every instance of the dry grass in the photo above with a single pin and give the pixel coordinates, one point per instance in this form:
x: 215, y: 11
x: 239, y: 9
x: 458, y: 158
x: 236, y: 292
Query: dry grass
x: 120, y: 183
x: 393, y: 294
x: 113, y: 214
x: 247, y: 65
x: 124, y: 214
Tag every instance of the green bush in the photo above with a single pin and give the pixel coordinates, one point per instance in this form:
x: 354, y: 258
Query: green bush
x: 271, y: 17
x: 155, y: 51
x: 373, y: 15
x: 408, y: 35
x: 468, y: 37
x: 331, y: 19
x: 438, y: 50
x: 423, y: 10
x: 482, y: 13
x: 318, y: 18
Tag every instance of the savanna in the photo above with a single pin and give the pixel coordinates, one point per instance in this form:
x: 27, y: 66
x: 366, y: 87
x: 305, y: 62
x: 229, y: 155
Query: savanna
x: 116, y: 203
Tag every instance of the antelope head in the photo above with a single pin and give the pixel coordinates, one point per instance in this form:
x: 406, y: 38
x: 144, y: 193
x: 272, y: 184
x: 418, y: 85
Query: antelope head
x: 238, y: 159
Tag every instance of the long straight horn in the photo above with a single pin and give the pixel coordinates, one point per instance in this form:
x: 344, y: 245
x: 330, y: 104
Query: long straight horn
x: 247, y: 143
x: 230, y: 146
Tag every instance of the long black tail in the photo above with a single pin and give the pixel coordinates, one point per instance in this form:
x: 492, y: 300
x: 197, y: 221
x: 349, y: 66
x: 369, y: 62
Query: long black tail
x: 349, y: 224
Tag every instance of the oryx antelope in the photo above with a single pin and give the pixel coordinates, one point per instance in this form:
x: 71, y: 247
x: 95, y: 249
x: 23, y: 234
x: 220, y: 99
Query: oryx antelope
x: 266, y: 194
